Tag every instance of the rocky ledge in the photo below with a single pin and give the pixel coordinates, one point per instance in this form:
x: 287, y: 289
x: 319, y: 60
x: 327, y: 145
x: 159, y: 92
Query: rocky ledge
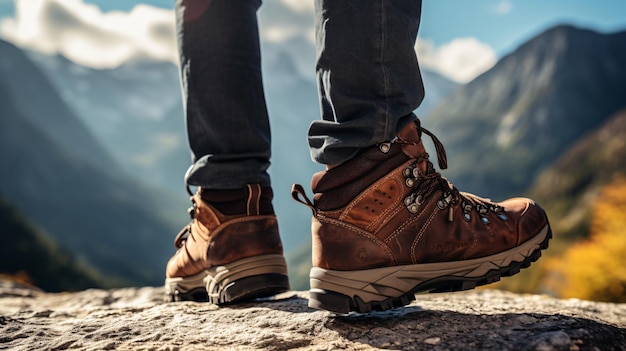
x: 138, y: 319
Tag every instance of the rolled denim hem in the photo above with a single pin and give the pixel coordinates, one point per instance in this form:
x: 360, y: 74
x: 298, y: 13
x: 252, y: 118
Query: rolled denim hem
x: 335, y: 153
x: 211, y: 173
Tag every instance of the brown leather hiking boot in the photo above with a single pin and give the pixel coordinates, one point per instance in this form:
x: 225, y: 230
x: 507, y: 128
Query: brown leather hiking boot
x: 231, y: 251
x: 386, y: 225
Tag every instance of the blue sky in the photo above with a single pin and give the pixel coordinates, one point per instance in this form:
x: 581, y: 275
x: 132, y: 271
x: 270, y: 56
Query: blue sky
x: 505, y: 24
x: 458, y: 38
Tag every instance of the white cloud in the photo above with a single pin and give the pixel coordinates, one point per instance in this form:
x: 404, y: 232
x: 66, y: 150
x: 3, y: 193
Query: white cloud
x: 462, y: 59
x: 85, y: 35
x: 300, y: 5
x: 503, y: 7
x: 287, y: 27
x: 283, y: 20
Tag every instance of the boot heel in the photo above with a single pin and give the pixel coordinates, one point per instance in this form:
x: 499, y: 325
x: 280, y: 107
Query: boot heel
x: 329, y: 301
x: 250, y: 288
x: 247, y: 279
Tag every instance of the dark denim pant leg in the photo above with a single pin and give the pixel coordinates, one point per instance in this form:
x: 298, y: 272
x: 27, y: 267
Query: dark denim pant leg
x: 226, y: 115
x: 368, y: 76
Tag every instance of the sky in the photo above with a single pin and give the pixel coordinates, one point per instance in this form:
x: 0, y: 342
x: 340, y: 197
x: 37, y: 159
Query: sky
x: 458, y: 38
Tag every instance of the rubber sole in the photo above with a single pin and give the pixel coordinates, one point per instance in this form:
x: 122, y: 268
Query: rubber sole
x: 389, y: 287
x: 242, y: 280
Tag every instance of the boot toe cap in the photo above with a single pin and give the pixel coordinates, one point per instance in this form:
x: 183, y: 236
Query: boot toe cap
x: 532, y: 220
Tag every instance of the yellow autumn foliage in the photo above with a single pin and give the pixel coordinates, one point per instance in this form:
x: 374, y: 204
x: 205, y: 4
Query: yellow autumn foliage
x: 595, y: 269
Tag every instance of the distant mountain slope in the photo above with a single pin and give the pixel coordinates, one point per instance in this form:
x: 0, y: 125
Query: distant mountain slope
x: 27, y: 250
x: 503, y: 128
x: 121, y: 227
x: 437, y: 88
x: 37, y: 99
x: 569, y: 187
x: 134, y: 110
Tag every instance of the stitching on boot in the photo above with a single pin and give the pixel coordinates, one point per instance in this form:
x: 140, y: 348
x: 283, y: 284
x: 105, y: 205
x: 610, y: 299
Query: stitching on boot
x: 421, y: 233
x: 254, y: 199
x: 360, y: 232
x: 474, y: 241
x: 396, y: 210
x: 412, y: 220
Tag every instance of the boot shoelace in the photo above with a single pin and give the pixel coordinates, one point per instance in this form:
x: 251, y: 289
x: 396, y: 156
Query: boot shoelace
x: 432, y: 180
x: 181, y: 237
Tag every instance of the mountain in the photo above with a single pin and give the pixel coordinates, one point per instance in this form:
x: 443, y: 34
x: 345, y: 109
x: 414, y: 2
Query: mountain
x: 134, y: 110
x: 437, y: 88
x: 119, y: 226
x: 29, y: 253
x: 503, y: 128
x: 568, y: 188
x: 28, y: 88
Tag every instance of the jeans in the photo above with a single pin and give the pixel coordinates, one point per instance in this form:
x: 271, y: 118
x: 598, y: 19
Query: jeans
x: 368, y: 78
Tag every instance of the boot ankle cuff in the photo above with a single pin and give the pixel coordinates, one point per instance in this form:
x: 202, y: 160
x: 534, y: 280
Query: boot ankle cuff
x: 249, y: 200
x: 336, y: 187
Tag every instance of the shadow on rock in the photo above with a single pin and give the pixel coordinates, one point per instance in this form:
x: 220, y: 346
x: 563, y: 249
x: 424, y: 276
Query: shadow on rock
x: 286, y: 302
x: 413, y: 328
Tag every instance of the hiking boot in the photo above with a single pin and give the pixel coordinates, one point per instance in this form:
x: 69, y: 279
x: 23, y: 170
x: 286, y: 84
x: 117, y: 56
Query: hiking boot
x: 231, y: 251
x: 386, y: 225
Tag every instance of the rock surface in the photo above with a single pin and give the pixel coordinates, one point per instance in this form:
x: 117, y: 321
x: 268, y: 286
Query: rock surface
x: 138, y: 319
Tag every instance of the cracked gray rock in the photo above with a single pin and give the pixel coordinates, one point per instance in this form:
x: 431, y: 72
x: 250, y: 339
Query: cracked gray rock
x: 139, y: 319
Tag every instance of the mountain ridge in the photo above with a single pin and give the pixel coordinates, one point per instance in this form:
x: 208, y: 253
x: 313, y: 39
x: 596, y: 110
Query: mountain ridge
x: 28, y: 89
x: 88, y: 207
x: 572, y: 184
x: 30, y: 254
x: 566, y: 80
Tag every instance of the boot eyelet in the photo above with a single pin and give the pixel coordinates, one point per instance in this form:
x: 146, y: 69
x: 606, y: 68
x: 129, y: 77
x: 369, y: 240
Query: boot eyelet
x: 419, y: 199
x: 407, y: 172
x: 408, y: 201
x: 467, y: 217
x: 441, y: 204
x: 416, y: 172
x: 413, y: 208
x: 481, y: 209
x: 410, y: 182
x: 485, y: 220
x: 503, y: 217
x: 384, y: 147
x: 192, y: 211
